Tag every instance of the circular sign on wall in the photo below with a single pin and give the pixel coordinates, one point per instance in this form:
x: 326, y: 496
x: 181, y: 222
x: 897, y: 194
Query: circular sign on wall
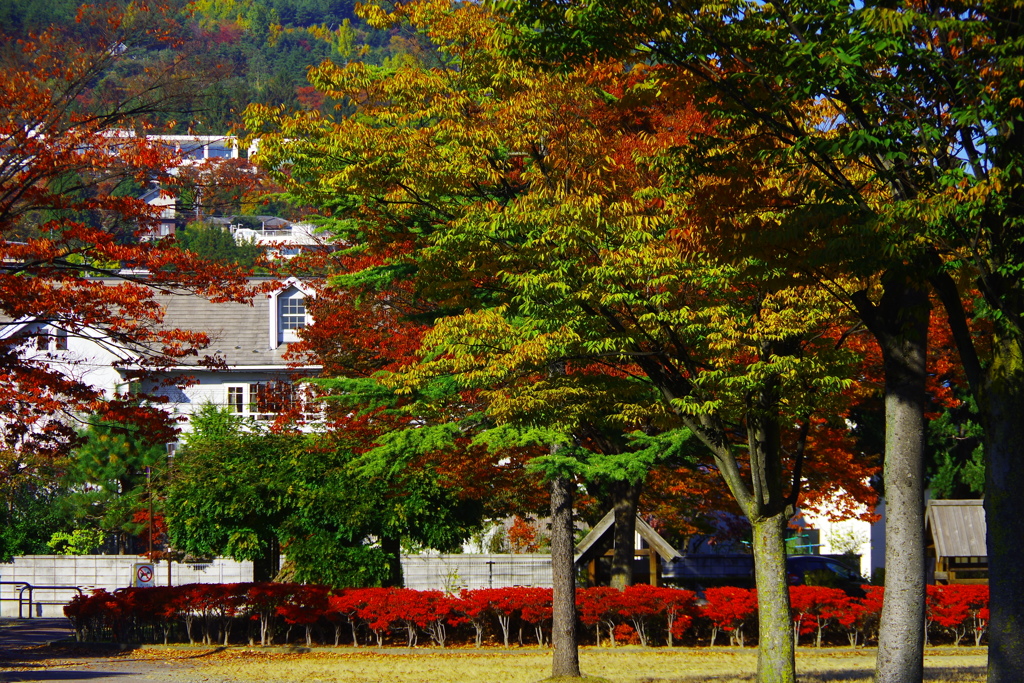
x: 144, y: 575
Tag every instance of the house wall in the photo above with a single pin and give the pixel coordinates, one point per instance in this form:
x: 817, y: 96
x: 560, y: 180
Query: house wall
x: 85, y: 360
x: 211, y: 387
x: 848, y: 536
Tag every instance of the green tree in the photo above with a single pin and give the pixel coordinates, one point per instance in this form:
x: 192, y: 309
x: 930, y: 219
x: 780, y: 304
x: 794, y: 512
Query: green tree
x: 535, y: 202
x: 917, y: 155
x: 214, y: 243
x: 108, y: 474
x: 32, y: 506
x: 242, y: 491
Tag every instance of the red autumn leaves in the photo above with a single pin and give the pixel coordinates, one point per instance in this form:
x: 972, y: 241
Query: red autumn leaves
x: 644, y: 615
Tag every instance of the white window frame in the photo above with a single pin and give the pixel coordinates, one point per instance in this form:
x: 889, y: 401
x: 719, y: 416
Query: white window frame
x: 50, y: 339
x: 232, y: 390
x: 278, y: 335
x: 248, y: 391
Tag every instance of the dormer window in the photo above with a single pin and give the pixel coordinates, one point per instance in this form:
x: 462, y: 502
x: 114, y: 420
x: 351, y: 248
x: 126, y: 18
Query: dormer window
x: 288, y: 312
x: 293, y: 310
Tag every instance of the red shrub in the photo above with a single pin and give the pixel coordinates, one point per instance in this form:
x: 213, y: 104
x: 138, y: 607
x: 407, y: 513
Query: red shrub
x: 307, y: 605
x: 599, y: 606
x: 475, y: 605
x: 535, y: 609
x: 677, y: 606
x: 624, y: 633
x: 377, y: 611
x: 814, y: 607
x: 262, y: 601
x: 729, y: 608
x: 346, y: 604
x: 957, y: 608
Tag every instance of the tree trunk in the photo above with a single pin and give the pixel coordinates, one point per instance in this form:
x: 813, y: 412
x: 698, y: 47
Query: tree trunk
x: 901, y: 327
x: 775, y: 654
x: 264, y: 567
x: 565, y: 658
x: 392, y: 548
x: 1002, y: 409
x: 627, y: 496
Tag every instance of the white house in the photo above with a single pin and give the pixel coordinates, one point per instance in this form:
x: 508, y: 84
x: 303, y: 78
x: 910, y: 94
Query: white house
x: 248, y: 342
x: 252, y: 377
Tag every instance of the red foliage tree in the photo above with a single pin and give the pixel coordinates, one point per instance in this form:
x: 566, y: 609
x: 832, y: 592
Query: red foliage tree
x: 475, y: 605
x: 347, y: 604
x: 262, y: 601
x: 814, y: 608
x: 535, y: 609
x: 729, y: 608
x: 377, y: 611
x: 599, y: 606
x: 959, y: 609
x: 72, y: 168
x: 307, y: 606
x: 640, y: 604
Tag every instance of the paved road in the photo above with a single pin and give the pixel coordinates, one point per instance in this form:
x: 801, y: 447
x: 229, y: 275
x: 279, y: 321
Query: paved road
x: 26, y: 656
x: 17, y: 634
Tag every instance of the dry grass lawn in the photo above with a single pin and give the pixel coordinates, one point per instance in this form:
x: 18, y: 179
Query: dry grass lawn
x: 620, y: 665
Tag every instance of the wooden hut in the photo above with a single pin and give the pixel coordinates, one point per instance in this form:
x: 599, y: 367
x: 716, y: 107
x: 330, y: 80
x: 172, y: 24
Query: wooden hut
x: 955, y: 538
x: 647, y: 555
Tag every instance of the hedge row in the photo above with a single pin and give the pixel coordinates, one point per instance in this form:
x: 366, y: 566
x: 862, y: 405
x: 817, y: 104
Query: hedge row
x: 645, y: 615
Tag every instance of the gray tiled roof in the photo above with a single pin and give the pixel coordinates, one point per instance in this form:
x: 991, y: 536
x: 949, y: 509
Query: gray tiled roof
x: 239, y: 333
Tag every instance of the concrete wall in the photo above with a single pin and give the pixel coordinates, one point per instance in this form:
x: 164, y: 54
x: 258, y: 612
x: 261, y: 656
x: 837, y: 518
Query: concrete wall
x: 90, y: 572
x: 455, y: 572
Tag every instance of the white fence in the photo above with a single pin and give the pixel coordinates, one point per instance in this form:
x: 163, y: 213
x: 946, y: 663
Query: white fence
x: 454, y: 572
x: 88, y: 572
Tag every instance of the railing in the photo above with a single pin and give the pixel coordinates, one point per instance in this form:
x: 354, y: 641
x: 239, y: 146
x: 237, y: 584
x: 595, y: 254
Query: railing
x: 26, y: 586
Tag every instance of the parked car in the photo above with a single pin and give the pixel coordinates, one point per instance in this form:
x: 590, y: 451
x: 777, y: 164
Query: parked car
x: 824, y: 571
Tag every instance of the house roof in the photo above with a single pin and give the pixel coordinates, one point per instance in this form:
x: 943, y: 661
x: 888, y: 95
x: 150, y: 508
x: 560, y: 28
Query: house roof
x: 957, y: 527
x: 595, y: 542
x: 239, y: 333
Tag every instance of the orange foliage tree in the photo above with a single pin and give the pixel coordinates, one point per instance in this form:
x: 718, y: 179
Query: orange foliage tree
x: 74, y: 107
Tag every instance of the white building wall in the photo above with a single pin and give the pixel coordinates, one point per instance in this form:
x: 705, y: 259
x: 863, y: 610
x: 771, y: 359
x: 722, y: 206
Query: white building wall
x: 844, y: 537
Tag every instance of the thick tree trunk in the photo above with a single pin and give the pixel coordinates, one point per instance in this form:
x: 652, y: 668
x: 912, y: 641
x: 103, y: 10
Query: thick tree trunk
x: 264, y: 567
x: 627, y: 496
x: 902, y: 330
x: 392, y: 548
x: 775, y: 653
x: 1002, y: 409
x: 565, y: 659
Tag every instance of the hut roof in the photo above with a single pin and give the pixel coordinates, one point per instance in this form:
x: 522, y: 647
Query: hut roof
x: 957, y: 527
x: 594, y: 542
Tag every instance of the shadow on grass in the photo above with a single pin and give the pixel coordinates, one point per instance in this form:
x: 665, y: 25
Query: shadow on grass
x: 969, y: 674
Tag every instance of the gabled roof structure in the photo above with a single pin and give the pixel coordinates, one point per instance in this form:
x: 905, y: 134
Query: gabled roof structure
x: 599, y: 540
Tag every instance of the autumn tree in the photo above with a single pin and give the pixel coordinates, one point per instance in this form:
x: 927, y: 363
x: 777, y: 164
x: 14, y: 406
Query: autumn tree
x: 73, y: 106
x: 535, y: 202
x: 919, y: 158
